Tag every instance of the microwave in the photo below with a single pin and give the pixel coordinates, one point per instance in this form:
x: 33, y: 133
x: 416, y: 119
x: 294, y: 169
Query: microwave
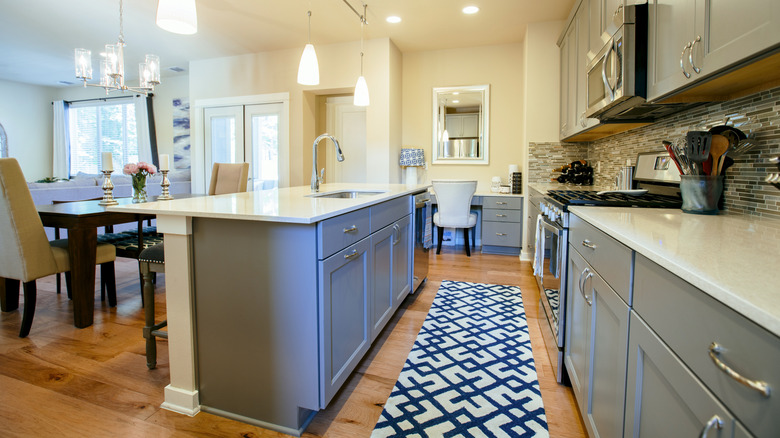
x: 616, y: 80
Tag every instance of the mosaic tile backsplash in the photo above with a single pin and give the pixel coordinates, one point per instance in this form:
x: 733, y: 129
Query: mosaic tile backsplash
x: 744, y: 188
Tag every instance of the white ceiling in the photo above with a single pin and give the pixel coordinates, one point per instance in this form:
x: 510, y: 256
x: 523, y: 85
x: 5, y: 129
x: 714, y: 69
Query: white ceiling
x: 37, y: 37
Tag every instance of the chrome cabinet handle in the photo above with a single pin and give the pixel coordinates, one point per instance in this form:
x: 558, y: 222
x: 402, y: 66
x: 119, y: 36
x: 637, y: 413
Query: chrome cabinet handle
x: 715, y: 422
x: 500, y: 203
x: 500, y: 234
x: 587, y: 244
x: 682, y: 57
x: 579, y: 282
x: 583, y: 279
x: 500, y: 215
x: 582, y: 120
x: 350, y: 229
x: 758, y: 385
x: 353, y: 254
x: 690, y: 54
x: 396, y: 232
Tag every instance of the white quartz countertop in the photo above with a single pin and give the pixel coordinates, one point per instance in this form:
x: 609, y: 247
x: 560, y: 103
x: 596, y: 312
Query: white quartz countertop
x: 291, y: 205
x: 733, y: 258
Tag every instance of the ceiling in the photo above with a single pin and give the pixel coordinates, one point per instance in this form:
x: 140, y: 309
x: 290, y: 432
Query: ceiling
x: 37, y: 37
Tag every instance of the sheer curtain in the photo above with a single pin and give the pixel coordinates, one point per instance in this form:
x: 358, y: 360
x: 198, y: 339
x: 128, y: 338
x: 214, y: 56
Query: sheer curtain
x: 61, y: 148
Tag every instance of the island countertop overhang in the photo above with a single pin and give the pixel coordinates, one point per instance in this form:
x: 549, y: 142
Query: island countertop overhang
x: 288, y: 205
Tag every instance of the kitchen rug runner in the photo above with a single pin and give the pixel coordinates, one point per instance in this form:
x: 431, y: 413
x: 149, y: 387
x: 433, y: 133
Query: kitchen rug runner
x: 471, y: 371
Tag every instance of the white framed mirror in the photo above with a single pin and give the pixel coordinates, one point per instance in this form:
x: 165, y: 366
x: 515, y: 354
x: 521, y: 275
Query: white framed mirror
x: 460, y: 125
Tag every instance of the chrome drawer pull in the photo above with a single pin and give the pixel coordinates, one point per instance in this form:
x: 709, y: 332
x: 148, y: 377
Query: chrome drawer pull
x: 350, y: 229
x: 583, y: 281
x: 715, y: 422
x: 500, y: 215
x: 682, y: 63
x: 690, y: 54
x: 500, y: 234
x: 758, y: 385
x: 354, y: 253
x: 500, y: 203
x: 587, y: 244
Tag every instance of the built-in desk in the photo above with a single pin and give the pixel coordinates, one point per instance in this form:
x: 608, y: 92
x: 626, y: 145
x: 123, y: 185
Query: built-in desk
x: 499, y: 222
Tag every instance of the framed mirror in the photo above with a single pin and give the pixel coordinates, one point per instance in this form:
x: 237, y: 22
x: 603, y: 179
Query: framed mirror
x: 460, y: 125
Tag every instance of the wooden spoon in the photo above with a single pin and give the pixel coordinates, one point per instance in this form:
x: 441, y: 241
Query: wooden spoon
x: 718, y: 147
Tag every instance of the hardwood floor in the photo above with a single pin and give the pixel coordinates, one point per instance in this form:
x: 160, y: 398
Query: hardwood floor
x: 69, y: 382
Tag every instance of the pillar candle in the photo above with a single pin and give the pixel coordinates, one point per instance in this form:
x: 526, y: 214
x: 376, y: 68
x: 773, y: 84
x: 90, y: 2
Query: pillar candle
x: 108, y: 161
x: 164, y: 162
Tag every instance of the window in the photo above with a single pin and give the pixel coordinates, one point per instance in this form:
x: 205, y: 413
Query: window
x: 102, y: 126
x: 3, y: 143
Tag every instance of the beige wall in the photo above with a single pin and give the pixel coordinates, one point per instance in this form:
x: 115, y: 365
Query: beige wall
x: 542, y: 82
x: 276, y: 72
x: 499, y: 66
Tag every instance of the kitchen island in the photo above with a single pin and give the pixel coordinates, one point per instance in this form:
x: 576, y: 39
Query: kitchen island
x: 273, y: 297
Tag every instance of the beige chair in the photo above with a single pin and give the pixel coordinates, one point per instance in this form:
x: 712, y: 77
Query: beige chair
x: 225, y: 178
x: 26, y: 253
x: 454, y: 204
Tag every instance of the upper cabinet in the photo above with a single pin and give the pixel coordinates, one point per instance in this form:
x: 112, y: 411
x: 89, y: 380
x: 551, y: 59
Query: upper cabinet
x: 691, y: 41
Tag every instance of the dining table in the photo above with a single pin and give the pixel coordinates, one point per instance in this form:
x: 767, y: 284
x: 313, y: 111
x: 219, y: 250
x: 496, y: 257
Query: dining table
x: 82, y: 220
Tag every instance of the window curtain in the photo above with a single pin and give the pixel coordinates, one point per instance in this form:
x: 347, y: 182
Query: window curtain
x: 61, y: 146
x: 144, y: 125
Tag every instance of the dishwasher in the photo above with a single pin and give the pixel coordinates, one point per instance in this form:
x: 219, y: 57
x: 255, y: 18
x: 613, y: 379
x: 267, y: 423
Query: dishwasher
x: 422, y: 238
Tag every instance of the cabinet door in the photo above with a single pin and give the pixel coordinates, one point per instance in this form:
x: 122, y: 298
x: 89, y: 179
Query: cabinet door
x: 671, y: 25
x: 381, y: 302
x: 608, y: 10
x: 663, y: 398
x: 403, y: 246
x: 568, y: 86
x: 583, y: 49
x: 454, y: 126
x: 344, y: 330
x: 470, y: 125
x: 577, y: 313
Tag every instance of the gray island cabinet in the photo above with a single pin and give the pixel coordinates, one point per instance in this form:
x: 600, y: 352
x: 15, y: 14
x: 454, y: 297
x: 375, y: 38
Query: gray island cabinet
x: 274, y: 297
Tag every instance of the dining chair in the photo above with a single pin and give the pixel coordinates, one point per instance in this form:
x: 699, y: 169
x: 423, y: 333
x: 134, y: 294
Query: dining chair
x: 453, y: 198
x: 225, y: 178
x: 26, y: 254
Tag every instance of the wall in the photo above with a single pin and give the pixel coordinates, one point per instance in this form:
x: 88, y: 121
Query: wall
x: 276, y: 72
x: 25, y: 113
x: 500, y: 66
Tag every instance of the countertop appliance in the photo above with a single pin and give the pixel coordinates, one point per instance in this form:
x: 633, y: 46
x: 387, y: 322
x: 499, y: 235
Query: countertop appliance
x: 654, y: 173
x: 422, y: 232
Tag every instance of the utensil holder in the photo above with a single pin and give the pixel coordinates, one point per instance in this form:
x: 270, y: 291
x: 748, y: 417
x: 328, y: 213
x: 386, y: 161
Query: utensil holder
x: 701, y: 193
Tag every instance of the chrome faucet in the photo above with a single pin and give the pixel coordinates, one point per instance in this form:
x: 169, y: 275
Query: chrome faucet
x: 316, y: 180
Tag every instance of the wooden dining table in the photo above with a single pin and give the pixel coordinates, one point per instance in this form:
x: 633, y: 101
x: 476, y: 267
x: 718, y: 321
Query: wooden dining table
x: 82, y: 219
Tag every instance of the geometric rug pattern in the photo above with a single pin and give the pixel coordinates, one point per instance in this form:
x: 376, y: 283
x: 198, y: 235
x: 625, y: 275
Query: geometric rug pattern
x: 471, y: 371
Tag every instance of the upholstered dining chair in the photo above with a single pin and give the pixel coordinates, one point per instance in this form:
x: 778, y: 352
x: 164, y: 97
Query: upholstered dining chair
x: 453, y: 198
x: 225, y: 178
x: 26, y: 253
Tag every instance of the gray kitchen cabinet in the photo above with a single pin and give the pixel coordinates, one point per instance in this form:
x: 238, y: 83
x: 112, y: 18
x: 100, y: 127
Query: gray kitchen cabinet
x: 575, y: 47
x: 663, y: 397
x: 690, y: 40
x: 391, y: 268
x: 502, y: 224
x: 584, y: 52
x: 462, y: 125
x: 402, y: 260
x: 568, y: 88
x: 596, y: 348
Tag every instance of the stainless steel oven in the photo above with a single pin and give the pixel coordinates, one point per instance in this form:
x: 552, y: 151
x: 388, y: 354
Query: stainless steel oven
x: 422, y: 230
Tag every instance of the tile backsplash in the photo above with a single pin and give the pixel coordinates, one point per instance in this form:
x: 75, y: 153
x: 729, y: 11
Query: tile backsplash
x: 744, y: 188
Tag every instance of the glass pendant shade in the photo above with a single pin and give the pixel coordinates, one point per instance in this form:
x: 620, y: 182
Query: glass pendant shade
x: 83, y: 62
x: 153, y: 66
x: 105, y: 79
x: 177, y: 16
x: 308, y: 69
x: 361, y: 92
x: 445, y: 136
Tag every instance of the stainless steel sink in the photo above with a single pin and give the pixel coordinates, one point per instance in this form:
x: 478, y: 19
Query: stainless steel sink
x: 346, y: 194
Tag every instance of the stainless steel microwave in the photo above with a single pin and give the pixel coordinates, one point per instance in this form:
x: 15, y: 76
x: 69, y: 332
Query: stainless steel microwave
x: 617, y: 76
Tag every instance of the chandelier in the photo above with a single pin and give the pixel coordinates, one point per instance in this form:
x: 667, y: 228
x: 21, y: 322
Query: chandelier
x: 112, y: 67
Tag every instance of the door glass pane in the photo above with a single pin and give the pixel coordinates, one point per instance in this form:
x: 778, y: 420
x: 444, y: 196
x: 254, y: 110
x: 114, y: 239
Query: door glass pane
x: 223, y: 139
x: 265, y: 154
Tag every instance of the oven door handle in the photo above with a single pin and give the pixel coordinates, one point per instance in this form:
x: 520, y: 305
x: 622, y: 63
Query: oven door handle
x: 552, y: 227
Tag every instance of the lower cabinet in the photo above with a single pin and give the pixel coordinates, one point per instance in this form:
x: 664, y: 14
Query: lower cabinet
x: 596, y: 348
x: 391, y: 268
x: 664, y: 398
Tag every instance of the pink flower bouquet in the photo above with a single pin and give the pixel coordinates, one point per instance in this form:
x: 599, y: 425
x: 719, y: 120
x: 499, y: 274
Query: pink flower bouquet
x: 139, y: 172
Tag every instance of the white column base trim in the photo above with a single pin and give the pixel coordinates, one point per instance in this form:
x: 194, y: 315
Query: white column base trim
x: 181, y: 401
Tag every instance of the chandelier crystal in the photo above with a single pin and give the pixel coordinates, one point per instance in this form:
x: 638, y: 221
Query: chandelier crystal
x: 112, y: 67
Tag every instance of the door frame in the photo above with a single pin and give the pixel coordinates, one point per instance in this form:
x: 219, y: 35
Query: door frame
x: 198, y: 169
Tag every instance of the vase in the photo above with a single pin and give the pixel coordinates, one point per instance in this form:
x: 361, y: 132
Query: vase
x: 139, y: 188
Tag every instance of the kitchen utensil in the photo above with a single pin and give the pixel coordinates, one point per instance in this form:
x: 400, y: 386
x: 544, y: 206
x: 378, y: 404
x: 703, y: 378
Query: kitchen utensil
x: 668, y: 146
x: 742, y: 147
x: 697, y: 147
x: 732, y: 134
x: 685, y: 163
x: 718, y: 148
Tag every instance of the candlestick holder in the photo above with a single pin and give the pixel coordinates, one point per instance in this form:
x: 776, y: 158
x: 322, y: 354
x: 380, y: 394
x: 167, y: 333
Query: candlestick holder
x: 108, y: 189
x: 165, y: 195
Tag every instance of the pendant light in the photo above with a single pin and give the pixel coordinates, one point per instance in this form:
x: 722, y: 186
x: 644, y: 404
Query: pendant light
x: 309, y: 69
x: 361, y: 88
x: 177, y: 16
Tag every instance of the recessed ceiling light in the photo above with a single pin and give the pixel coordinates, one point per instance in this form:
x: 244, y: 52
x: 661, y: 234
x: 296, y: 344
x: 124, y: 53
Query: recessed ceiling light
x: 455, y: 101
x: 470, y: 10
x: 456, y: 92
x: 393, y: 19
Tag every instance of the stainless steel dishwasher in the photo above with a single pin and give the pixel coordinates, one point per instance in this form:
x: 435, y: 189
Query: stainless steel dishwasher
x: 422, y: 230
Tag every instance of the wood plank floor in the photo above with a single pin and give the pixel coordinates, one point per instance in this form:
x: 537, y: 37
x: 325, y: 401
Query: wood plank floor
x: 68, y: 382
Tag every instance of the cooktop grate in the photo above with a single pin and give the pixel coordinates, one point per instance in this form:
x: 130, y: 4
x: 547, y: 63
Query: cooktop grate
x: 584, y: 197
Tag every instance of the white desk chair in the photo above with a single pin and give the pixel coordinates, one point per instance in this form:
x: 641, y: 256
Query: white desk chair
x: 454, y: 200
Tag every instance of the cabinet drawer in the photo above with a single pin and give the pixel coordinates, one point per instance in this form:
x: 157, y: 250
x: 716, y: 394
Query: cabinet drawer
x: 388, y: 212
x: 501, y: 233
x: 503, y: 202
x: 610, y: 258
x: 689, y: 321
x: 339, y: 232
x: 498, y: 215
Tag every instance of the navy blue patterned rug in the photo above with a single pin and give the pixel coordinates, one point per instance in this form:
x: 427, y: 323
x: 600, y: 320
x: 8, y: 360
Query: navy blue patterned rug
x: 471, y: 371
